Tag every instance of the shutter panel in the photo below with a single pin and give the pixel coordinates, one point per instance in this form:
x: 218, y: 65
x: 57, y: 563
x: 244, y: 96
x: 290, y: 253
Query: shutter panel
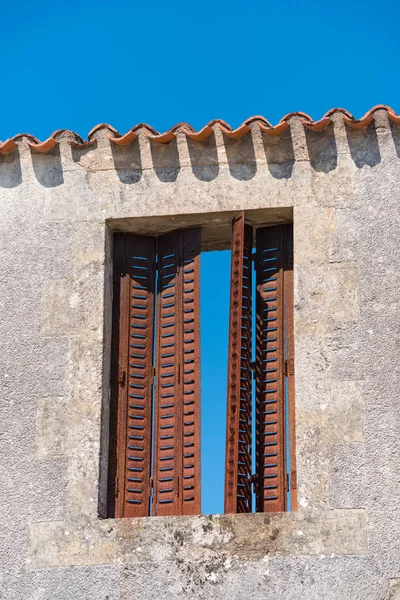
x: 177, y: 405
x: 167, y: 421
x: 270, y: 369
x: 134, y: 286
x: 191, y: 493
x: 288, y: 292
x: 239, y: 405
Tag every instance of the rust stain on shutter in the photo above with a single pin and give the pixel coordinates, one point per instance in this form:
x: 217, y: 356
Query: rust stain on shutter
x: 134, y: 302
x: 177, y: 403
x: 270, y: 370
x: 239, y: 405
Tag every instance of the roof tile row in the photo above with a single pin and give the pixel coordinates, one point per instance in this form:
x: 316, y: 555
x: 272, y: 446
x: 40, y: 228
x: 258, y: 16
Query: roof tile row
x: 201, y: 135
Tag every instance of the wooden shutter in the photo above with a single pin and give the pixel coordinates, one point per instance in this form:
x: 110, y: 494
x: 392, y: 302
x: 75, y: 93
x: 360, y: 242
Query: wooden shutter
x: 177, y: 404
x: 272, y: 360
x: 132, y: 375
x: 288, y: 293
x: 239, y: 405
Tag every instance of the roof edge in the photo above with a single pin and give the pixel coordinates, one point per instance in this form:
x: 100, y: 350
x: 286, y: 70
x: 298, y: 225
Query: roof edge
x: 185, y: 128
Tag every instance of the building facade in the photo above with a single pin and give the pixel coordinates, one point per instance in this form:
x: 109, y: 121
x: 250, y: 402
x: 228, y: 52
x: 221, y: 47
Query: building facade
x: 338, y: 181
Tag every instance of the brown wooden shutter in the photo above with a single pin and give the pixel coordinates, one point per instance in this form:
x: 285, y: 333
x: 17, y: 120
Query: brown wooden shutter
x: 239, y: 405
x: 288, y: 292
x: 177, y: 403
x: 271, y: 353
x: 132, y: 375
x: 191, y: 494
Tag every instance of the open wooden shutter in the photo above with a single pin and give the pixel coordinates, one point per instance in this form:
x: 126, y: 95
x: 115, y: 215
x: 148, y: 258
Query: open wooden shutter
x: 191, y: 493
x: 238, y: 497
x: 271, y: 364
x: 288, y: 292
x: 132, y: 380
x: 177, y: 404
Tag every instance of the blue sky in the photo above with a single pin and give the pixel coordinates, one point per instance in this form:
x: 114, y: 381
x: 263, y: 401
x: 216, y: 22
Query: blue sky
x: 74, y: 64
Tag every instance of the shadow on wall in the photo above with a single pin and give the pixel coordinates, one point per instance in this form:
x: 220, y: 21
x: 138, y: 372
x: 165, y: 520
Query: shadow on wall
x: 10, y: 169
x: 279, y: 154
x: 364, y: 147
x: 241, y: 157
x: 127, y: 162
x: 203, y: 156
x: 395, y: 130
x: 47, y: 168
x: 165, y: 160
x: 322, y: 150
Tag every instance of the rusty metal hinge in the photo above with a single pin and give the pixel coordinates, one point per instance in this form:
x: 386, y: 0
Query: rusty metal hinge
x: 122, y: 380
x: 289, y: 367
x: 116, y: 487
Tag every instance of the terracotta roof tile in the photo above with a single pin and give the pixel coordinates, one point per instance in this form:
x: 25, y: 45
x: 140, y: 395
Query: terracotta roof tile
x: 201, y: 135
x: 273, y: 130
x: 7, y: 146
x: 317, y: 125
x: 124, y: 140
x: 45, y: 146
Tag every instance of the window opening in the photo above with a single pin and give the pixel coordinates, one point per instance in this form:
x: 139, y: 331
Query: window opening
x: 155, y: 433
x: 215, y: 281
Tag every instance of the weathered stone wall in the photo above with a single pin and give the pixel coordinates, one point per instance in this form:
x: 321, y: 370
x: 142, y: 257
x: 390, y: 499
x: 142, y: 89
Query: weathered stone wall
x: 57, y: 212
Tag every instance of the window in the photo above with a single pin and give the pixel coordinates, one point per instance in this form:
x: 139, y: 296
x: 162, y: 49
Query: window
x: 154, y: 461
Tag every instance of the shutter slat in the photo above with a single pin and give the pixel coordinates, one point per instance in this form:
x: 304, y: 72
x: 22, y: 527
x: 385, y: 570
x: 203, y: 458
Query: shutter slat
x: 136, y: 265
x: 177, y: 405
x: 270, y: 366
x: 239, y: 405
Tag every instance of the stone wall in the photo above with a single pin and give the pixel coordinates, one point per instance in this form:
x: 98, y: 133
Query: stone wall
x: 58, y: 211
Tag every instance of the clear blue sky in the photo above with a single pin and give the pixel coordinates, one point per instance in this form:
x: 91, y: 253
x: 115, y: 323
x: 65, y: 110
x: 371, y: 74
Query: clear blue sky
x: 74, y: 64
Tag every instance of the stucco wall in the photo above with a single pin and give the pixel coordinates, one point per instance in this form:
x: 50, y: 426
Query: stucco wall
x: 57, y: 212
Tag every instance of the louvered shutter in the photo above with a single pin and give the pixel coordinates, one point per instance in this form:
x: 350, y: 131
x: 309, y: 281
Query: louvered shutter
x: 239, y: 403
x: 288, y: 293
x: 271, y: 258
x: 177, y: 404
x: 134, y: 287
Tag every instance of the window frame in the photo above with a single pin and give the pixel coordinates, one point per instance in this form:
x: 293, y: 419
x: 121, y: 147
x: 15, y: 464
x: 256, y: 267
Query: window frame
x: 254, y: 218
